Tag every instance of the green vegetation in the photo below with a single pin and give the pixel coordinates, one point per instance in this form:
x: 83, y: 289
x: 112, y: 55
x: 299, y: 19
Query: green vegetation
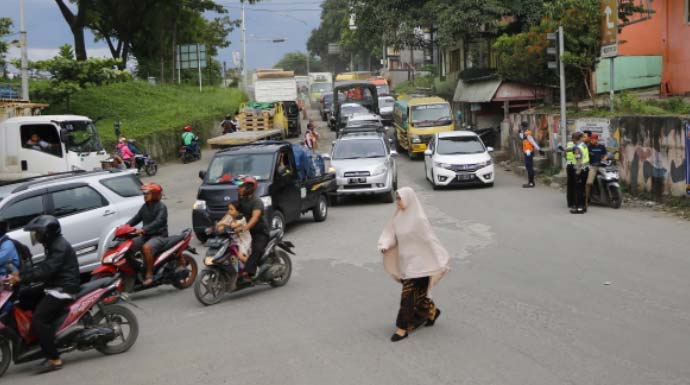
x: 628, y: 104
x: 297, y: 61
x: 146, y: 110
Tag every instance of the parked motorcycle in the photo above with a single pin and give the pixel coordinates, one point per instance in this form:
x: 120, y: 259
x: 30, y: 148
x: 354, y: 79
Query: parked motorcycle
x: 144, y: 161
x: 190, y: 153
x: 222, y: 272
x: 166, y: 269
x: 606, y: 189
x: 87, y: 324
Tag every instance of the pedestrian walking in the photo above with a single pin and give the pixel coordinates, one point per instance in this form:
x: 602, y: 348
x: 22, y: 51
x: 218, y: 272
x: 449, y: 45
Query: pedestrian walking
x: 529, y: 146
x: 581, y: 153
x: 413, y: 256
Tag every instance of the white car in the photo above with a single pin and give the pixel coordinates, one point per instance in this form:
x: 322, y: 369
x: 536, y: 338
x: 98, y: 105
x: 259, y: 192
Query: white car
x: 458, y: 158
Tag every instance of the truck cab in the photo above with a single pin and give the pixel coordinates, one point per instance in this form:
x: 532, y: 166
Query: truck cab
x: 48, y: 144
x: 285, y: 190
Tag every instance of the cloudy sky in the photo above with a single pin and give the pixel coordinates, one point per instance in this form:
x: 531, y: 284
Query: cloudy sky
x: 291, y: 19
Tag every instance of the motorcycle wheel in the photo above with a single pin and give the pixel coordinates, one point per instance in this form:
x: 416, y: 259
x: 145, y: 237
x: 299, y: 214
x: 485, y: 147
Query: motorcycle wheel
x: 616, y: 198
x: 5, y: 356
x: 119, y: 318
x: 151, y: 169
x: 185, y: 159
x: 210, y: 287
x: 281, y: 258
x: 191, y: 266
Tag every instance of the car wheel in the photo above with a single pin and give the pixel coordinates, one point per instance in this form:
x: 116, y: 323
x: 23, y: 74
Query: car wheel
x: 389, y: 197
x: 433, y: 181
x: 320, y: 211
x: 278, y: 221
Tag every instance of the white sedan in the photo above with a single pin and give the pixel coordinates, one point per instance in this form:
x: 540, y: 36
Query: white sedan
x: 458, y: 158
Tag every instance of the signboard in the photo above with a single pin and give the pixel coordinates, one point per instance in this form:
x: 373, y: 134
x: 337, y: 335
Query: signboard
x: 609, y: 28
x: 333, y: 48
x: 236, y: 59
x: 687, y: 157
x: 191, y: 56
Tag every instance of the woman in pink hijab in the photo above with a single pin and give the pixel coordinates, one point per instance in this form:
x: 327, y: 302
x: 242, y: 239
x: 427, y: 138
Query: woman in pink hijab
x: 414, y: 257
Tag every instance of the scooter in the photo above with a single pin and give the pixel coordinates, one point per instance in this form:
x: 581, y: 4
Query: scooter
x: 166, y: 267
x: 222, y: 272
x: 606, y: 189
x: 192, y: 152
x: 90, y: 322
x: 144, y: 161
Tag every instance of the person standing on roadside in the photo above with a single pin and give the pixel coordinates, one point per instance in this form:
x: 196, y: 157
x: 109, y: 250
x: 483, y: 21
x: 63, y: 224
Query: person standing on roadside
x: 413, y: 256
x: 597, y: 154
x: 570, y: 172
x: 581, y: 154
x: 529, y: 146
x: 311, y: 136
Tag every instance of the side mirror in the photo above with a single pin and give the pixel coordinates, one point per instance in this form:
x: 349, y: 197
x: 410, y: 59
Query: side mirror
x: 428, y: 152
x: 202, y: 174
x: 394, y: 154
x: 326, y: 156
x: 490, y: 149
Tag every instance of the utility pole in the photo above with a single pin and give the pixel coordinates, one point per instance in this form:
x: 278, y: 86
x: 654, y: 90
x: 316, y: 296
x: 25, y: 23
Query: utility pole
x: 308, y: 60
x: 244, y: 50
x: 561, y: 70
x: 24, y: 52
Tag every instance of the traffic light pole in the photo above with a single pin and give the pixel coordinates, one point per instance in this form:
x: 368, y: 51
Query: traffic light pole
x: 561, y: 70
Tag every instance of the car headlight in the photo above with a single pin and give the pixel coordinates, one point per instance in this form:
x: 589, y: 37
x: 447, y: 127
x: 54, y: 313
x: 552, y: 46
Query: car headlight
x: 199, y: 205
x: 381, y: 169
x: 331, y: 169
x: 447, y: 166
x: 267, y: 200
x: 487, y: 163
x: 415, y: 139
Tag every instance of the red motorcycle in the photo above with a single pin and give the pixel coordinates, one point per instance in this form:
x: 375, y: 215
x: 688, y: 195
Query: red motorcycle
x: 87, y: 324
x: 167, y: 268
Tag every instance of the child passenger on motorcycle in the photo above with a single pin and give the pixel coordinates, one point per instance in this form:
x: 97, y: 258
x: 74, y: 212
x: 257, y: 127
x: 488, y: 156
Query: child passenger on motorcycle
x: 242, y: 239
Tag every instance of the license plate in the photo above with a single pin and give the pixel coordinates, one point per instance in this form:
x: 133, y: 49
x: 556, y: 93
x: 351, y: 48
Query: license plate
x: 465, y: 176
x: 357, y: 180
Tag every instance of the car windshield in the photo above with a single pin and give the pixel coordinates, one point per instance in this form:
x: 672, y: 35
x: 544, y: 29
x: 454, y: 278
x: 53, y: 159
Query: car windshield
x: 386, y: 102
x: 363, y: 123
x: 382, y: 89
x: 225, y: 167
x: 460, y: 145
x: 328, y: 98
x: 360, y: 148
x: 429, y: 115
x: 82, y: 137
x: 321, y: 87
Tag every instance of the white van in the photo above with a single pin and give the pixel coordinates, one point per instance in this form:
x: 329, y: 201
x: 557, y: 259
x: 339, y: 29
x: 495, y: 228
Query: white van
x: 38, y: 145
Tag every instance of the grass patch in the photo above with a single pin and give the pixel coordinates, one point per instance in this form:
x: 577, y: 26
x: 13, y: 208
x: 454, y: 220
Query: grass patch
x: 152, y: 114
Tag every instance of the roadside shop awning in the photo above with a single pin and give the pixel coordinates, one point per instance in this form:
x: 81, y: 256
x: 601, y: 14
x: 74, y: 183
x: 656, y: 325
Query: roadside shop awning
x: 509, y: 92
x: 476, y: 92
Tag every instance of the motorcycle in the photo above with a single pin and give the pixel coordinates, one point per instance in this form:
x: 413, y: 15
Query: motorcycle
x: 144, y: 161
x: 222, y: 272
x: 606, y: 189
x: 166, y: 269
x: 90, y: 322
x: 190, y: 153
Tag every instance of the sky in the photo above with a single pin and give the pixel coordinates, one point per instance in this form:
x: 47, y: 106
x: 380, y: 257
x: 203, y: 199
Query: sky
x: 290, y: 19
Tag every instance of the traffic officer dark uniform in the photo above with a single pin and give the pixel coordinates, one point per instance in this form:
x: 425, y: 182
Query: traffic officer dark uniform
x: 581, y: 171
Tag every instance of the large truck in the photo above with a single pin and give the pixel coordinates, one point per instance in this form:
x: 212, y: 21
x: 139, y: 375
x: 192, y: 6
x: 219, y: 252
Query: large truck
x: 38, y: 145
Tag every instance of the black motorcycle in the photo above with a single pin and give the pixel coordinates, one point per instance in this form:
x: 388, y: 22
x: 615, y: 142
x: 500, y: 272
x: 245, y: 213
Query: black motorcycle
x: 223, y: 269
x: 192, y: 152
x: 606, y: 189
x: 144, y: 162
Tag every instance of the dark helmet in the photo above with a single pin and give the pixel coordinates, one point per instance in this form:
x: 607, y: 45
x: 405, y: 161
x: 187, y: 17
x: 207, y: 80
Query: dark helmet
x: 250, y: 184
x: 44, y: 229
x: 228, y: 117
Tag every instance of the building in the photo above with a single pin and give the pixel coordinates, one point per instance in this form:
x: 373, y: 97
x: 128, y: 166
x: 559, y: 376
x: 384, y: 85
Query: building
x: 654, y: 51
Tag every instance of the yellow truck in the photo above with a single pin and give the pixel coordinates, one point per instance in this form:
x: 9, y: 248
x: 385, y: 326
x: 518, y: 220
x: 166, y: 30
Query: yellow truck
x: 416, y: 121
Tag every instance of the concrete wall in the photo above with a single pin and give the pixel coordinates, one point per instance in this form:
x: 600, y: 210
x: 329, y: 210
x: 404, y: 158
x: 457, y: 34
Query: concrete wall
x: 631, y: 72
x: 650, y: 150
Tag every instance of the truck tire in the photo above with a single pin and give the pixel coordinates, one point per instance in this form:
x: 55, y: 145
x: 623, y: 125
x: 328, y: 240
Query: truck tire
x: 320, y: 211
x: 398, y: 147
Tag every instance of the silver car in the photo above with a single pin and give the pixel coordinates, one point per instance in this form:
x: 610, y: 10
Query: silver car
x: 364, y: 165
x: 89, y: 205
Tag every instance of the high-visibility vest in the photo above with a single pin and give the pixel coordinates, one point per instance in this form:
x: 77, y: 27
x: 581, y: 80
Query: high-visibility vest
x: 570, y: 155
x: 584, y: 150
x: 526, y: 144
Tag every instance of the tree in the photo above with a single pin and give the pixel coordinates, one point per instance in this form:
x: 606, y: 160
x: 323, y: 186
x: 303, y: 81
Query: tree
x: 5, y: 29
x: 297, y: 61
x: 334, y: 16
x: 76, y: 22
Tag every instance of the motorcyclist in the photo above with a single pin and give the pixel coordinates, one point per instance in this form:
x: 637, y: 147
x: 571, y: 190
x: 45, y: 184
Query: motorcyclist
x: 228, y: 125
x: 154, y: 231
x: 189, y: 139
x: 253, y: 208
x: 59, y: 273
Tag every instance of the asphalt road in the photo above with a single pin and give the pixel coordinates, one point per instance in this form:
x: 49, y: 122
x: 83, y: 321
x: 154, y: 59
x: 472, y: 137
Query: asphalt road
x: 536, y: 296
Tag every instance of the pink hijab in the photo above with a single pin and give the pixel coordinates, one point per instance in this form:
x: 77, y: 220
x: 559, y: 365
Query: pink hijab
x: 410, y: 248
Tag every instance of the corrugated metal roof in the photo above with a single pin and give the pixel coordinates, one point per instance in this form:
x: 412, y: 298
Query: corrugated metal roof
x: 476, y: 92
x: 515, y: 91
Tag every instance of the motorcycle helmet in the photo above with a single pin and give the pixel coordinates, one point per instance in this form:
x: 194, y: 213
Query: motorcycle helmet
x: 43, y: 229
x: 188, y: 128
x: 250, y: 184
x: 155, y: 189
x: 228, y: 117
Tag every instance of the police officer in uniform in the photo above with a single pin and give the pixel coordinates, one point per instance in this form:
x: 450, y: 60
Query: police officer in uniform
x: 570, y: 172
x: 581, y: 154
